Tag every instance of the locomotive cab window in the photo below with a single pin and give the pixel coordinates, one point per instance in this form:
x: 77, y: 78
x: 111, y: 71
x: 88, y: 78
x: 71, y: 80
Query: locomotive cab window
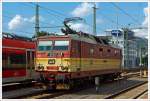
x: 61, y: 45
x: 44, y: 45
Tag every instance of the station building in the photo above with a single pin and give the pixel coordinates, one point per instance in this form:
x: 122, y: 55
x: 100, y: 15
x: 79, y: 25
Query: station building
x: 133, y: 48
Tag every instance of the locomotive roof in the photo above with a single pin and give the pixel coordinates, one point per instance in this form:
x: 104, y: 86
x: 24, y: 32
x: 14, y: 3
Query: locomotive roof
x: 85, y: 38
x: 81, y: 37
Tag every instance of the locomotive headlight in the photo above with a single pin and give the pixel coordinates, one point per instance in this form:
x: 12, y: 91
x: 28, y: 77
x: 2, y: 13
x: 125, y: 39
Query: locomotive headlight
x: 63, y: 68
x: 40, y: 67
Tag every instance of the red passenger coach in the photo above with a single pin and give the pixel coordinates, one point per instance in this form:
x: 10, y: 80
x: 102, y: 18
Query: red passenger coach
x: 17, y: 58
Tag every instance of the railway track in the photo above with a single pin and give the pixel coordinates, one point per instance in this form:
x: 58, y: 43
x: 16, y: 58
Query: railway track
x: 125, y: 92
x: 105, y: 91
x: 52, y: 94
x: 18, y: 85
x: 143, y: 95
x: 46, y: 95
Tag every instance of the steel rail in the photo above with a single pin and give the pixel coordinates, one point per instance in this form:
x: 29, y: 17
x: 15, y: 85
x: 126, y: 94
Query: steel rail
x: 125, y: 90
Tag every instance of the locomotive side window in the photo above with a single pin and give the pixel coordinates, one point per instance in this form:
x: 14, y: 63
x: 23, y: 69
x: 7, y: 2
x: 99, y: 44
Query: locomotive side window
x: 44, y: 45
x: 116, y: 52
x: 109, y: 50
x: 92, y: 51
x: 61, y: 45
x: 101, y: 49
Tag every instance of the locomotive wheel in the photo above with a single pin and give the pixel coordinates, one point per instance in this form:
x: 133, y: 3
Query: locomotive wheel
x: 54, y: 87
x: 44, y: 87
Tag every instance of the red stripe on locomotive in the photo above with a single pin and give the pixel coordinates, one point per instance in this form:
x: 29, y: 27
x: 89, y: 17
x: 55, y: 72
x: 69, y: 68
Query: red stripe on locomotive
x: 56, y: 54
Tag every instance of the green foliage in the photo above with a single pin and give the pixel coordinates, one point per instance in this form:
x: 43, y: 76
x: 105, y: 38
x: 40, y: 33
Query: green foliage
x: 42, y: 33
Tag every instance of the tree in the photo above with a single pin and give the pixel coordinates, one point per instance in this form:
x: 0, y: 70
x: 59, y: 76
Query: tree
x: 42, y: 33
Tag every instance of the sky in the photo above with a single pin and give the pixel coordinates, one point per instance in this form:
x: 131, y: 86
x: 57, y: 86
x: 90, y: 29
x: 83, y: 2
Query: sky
x: 19, y: 18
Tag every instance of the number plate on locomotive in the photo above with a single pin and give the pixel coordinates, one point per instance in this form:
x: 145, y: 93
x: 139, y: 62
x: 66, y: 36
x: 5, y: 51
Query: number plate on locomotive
x: 51, y: 61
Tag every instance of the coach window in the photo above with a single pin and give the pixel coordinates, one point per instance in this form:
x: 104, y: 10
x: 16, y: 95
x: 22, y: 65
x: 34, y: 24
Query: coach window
x: 4, y: 60
x: 17, y: 59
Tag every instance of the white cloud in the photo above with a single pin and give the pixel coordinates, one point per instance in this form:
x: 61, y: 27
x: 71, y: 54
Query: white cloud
x: 143, y: 32
x: 82, y: 10
x: 145, y: 23
x: 99, y: 21
x: 81, y: 27
x: 32, y: 19
x: 18, y: 21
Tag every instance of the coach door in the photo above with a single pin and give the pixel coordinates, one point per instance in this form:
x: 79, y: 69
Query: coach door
x: 30, y: 63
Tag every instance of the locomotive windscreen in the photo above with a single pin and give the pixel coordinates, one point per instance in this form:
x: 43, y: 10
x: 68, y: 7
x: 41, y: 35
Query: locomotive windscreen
x: 44, y: 45
x: 53, y: 45
x: 61, y: 45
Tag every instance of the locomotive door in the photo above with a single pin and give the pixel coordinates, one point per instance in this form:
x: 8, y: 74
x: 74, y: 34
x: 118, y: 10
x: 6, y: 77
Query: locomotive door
x: 30, y: 64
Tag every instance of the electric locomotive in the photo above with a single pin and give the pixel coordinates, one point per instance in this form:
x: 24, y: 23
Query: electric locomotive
x: 64, y: 61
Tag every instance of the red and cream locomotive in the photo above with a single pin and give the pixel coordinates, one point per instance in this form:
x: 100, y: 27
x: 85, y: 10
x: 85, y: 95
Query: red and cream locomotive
x: 66, y: 60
